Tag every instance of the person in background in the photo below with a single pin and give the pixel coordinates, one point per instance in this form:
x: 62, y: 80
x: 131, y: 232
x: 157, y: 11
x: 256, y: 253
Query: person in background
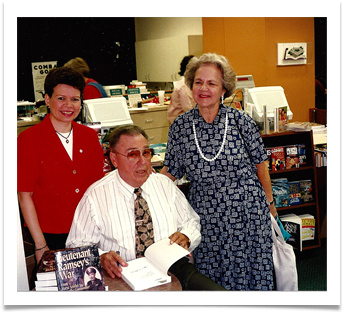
x: 93, y: 89
x: 106, y: 215
x: 221, y: 152
x: 181, y: 98
x: 53, y: 159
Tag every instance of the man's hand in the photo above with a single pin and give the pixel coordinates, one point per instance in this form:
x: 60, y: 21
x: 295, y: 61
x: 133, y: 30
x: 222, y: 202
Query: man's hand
x: 180, y: 239
x: 112, y: 263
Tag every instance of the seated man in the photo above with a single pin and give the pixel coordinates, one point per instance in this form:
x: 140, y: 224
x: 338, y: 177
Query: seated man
x: 106, y: 215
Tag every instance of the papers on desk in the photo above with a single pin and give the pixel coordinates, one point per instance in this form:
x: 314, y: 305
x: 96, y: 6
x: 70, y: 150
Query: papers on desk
x: 134, y: 109
x: 158, y: 159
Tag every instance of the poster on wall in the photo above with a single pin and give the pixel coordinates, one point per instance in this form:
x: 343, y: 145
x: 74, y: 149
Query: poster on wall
x: 292, y: 53
x: 39, y: 72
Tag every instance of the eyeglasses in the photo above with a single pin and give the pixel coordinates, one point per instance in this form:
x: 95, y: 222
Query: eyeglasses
x: 135, y: 155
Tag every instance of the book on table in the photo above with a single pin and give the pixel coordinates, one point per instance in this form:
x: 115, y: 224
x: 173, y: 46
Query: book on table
x: 70, y: 269
x: 151, y: 270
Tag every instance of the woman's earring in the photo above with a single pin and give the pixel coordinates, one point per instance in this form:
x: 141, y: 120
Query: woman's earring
x: 222, y: 99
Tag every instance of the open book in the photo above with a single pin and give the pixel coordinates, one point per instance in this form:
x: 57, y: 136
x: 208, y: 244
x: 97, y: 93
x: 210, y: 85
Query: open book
x: 151, y: 270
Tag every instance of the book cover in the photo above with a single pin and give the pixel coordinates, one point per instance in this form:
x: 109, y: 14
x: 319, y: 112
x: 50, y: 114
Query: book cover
x: 291, y: 157
x: 280, y: 192
x: 293, y: 225
x: 282, y: 117
x: 294, y: 193
x: 79, y: 269
x: 302, y: 154
x: 46, y: 267
x: 268, y: 152
x: 277, y: 158
x: 308, y: 227
x: 151, y: 270
x: 306, y: 187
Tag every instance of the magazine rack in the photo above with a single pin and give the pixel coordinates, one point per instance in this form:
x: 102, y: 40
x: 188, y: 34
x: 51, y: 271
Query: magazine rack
x: 307, y: 172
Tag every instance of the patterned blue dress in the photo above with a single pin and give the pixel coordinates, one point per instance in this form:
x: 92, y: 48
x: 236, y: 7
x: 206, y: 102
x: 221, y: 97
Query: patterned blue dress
x: 236, y: 246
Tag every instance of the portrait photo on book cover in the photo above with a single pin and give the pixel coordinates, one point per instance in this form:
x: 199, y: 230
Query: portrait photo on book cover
x: 93, y: 279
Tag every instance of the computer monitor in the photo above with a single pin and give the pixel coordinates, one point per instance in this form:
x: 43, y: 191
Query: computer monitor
x: 272, y: 97
x: 110, y: 112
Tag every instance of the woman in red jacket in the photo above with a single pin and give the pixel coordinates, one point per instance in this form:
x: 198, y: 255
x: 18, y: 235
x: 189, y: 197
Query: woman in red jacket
x: 57, y: 160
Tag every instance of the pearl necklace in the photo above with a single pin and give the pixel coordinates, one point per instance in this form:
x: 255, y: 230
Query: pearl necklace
x: 223, y: 142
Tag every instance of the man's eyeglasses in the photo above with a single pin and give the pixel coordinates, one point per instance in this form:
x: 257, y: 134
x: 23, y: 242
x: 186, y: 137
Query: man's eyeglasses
x: 135, y: 155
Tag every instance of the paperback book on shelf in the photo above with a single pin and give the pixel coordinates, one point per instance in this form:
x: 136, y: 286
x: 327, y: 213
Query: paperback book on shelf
x: 302, y: 154
x: 320, y: 153
x: 308, y: 227
x: 294, y: 193
x: 293, y: 225
x: 277, y: 158
x: 291, y: 157
x: 268, y: 152
x: 306, y: 187
x: 280, y: 192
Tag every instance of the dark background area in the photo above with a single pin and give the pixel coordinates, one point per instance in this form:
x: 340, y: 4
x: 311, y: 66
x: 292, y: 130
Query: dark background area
x: 94, y: 39
x: 320, y: 51
x: 60, y: 39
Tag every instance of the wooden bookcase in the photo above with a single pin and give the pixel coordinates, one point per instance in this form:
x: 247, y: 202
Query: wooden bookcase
x: 302, y: 173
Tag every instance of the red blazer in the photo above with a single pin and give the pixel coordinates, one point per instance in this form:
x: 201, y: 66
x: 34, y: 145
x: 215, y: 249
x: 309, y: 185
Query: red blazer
x: 57, y: 182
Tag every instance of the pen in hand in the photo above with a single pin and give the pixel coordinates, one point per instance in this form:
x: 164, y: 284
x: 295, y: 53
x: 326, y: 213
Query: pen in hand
x: 118, y: 253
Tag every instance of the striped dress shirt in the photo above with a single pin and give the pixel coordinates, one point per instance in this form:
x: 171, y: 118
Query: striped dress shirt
x: 105, y: 215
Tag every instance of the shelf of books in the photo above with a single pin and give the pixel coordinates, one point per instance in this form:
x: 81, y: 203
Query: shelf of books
x: 294, y: 185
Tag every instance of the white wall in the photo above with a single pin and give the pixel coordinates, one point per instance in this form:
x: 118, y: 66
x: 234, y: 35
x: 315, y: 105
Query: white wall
x: 147, y: 28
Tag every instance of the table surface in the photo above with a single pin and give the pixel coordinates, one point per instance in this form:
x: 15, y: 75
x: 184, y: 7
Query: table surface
x: 119, y: 284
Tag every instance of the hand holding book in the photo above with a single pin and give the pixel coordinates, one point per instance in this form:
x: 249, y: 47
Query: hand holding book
x: 112, y: 262
x: 181, y: 240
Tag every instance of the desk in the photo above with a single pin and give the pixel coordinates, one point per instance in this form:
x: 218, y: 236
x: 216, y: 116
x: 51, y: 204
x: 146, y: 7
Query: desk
x: 153, y: 121
x: 25, y: 124
x: 119, y: 284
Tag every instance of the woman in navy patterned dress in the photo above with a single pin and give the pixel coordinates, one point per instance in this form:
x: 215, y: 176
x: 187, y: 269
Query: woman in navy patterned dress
x: 221, y: 152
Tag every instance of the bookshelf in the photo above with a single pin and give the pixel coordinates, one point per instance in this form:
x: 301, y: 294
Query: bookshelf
x: 305, y: 172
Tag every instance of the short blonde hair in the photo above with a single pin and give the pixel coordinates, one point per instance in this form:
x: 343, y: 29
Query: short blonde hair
x: 228, y: 73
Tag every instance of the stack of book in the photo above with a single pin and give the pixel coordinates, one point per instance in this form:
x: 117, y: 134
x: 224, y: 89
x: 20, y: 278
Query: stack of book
x: 70, y: 269
x: 306, y: 126
x: 46, y: 272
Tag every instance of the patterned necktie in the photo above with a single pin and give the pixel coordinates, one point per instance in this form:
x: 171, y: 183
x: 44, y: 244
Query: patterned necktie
x: 144, y: 235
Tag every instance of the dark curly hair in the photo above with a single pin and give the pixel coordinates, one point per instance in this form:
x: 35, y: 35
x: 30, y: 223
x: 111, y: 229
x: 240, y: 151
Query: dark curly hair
x: 63, y: 75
